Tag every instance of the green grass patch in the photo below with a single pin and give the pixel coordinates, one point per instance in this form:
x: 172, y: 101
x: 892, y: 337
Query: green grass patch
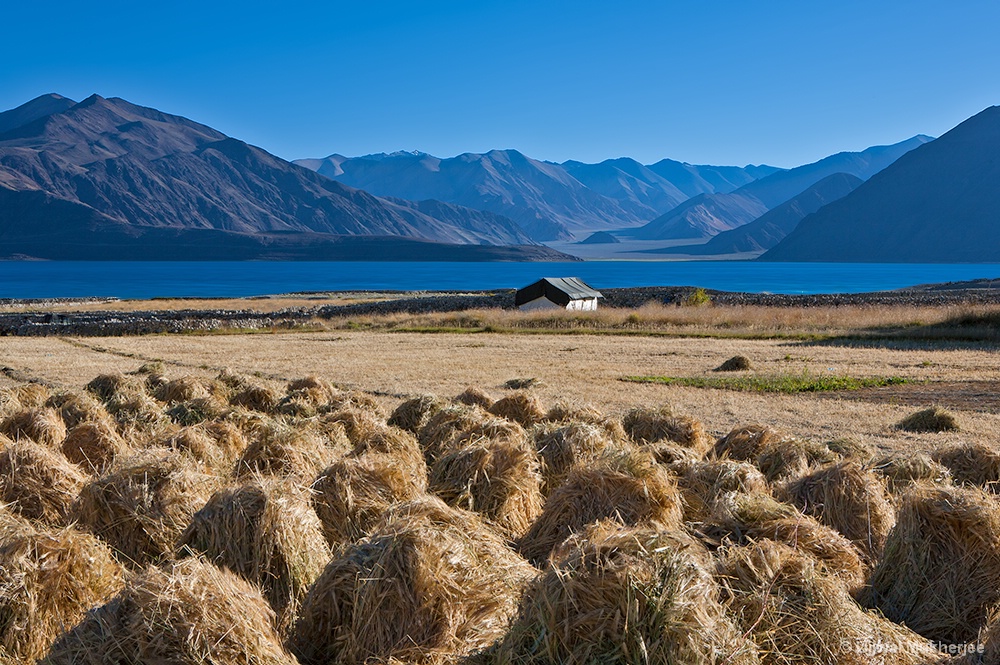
x: 780, y: 383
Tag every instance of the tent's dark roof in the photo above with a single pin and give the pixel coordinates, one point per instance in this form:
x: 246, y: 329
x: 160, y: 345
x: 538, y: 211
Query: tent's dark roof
x: 560, y: 290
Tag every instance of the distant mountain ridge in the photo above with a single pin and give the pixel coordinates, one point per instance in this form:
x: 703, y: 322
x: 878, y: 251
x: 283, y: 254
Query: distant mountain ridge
x: 550, y: 201
x: 938, y: 203
x: 109, y: 169
x: 710, y: 214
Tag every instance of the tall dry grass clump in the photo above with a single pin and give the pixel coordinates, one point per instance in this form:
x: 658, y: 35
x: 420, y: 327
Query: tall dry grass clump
x: 286, y: 451
x: 561, y: 446
x: 429, y: 584
x: 94, y: 446
x: 934, y: 419
x: 626, y: 486
x: 109, y: 387
x: 901, y: 471
x: 215, y: 444
x: 414, y: 413
x: 256, y: 398
x: 500, y: 480
x: 473, y: 396
x: 187, y: 613
x: 797, y: 614
x: 940, y: 572
x: 49, y: 578
x: 791, y: 458
x: 125, y: 398
x: 625, y: 595
x: 143, y: 505
x: 447, y: 425
x: 521, y: 407
x: 76, y: 408
x: 747, y: 443
x: 972, y: 464
x: 267, y: 533
x: 848, y: 498
x: 702, y: 483
x: 358, y: 423
x: 398, y: 445
x: 38, y: 483
x: 646, y: 425
x: 29, y: 395
x: 351, y: 495
x: 188, y: 388
x: 42, y: 425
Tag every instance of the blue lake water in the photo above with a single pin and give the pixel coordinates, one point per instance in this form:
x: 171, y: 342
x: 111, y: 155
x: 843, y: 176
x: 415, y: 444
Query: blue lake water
x: 150, y: 279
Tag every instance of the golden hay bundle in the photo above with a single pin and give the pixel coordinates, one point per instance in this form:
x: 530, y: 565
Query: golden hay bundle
x: 790, y: 458
x: 445, y: 426
x: 934, y: 419
x: 136, y: 412
x: 188, y: 613
x: 797, y: 614
x: 42, y: 425
x: 735, y: 364
x: 108, y: 387
x: 198, y: 410
x: 256, y: 398
x: 76, y: 408
x: 901, y: 471
x: 848, y: 448
x: 701, y: 483
x: 972, y: 464
x: 48, y: 581
x: 473, y: 396
x: 233, y: 381
x: 626, y: 486
x: 31, y: 395
x: 354, y: 399
x: 940, y: 571
x: 196, y: 442
x: 746, y: 443
x: 143, y: 505
x: 848, y: 498
x: 743, y: 518
x: 94, y: 446
x: 562, y: 411
x: 561, y: 446
x: 188, y: 388
x: 414, y: 413
x: 299, y: 404
x: 645, y: 425
x: 397, y: 444
x: 499, y: 480
x: 353, y: 493
x: 521, y: 407
x: 618, y: 595
x: 282, y: 450
x: 227, y: 436
x: 265, y: 532
x: 313, y: 383
x: 38, y: 483
x: 358, y: 423
x: 429, y: 583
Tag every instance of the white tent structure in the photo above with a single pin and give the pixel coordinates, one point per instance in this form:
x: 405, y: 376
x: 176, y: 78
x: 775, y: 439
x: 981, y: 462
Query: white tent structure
x: 557, y: 293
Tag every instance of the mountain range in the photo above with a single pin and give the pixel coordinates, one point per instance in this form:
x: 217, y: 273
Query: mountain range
x: 549, y: 201
x: 104, y: 178
x: 938, y: 203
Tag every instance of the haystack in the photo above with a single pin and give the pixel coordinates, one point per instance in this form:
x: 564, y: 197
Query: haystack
x: 473, y: 396
x: 414, y: 413
x: 196, y: 442
x: 701, y: 483
x: 354, y: 399
x: 256, y: 398
x: 143, y: 505
x: 38, y: 483
x: 934, y: 419
x: 323, y: 389
x: 740, y: 519
x: 620, y: 595
x: 94, y: 446
x: 227, y: 436
x: 75, y: 408
x: 735, y: 364
x: 940, y: 572
x: 567, y: 412
x: 521, y: 407
x: 188, y: 613
x: 429, y: 583
x: 853, y: 449
x: 972, y: 464
x: 187, y: 388
x: 445, y: 426
x: 111, y: 387
x: 282, y: 450
x: 562, y: 445
x: 400, y: 446
x: 746, y: 443
x: 42, y: 425
x: 267, y: 533
x: 848, y: 498
x: 357, y: 423
x: 48, y: 581
x: 644, y: 425
x: 198, y: 410
x: 791, y: 458
x: 31, y: 395
x: 626, y: 486
x: 797, y: 614
x: 500, y: 480
x: 353, y: 493
x: 901, y: 471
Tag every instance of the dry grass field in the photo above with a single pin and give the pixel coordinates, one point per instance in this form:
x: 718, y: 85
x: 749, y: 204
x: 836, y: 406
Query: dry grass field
x: 376, y: 491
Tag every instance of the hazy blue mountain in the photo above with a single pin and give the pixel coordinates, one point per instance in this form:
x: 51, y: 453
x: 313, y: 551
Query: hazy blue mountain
x: 108, y: 169
x: 770, y: 228
x: 709, y: 214
x: 550, y: 201
x: 938, y: 203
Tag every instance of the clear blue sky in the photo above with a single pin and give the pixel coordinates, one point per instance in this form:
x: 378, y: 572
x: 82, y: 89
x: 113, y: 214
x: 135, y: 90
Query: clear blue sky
x: 778, y: 82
